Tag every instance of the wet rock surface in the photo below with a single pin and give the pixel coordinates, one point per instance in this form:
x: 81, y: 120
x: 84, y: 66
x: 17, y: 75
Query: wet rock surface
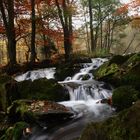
x: 25, y: 114
x: 124, y: 126
x: 32, y: 111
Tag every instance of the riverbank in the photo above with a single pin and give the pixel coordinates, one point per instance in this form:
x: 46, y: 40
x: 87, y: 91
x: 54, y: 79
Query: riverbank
x: 122, y: 72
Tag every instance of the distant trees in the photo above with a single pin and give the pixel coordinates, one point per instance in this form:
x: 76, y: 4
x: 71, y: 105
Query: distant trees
x: 43, y: 23
x: 103, y: 19
x: 27, y: 20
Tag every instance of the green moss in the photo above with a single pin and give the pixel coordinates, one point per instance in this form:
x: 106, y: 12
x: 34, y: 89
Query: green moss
x: 124, y: 96
x: 106, y: 70
x: 124, y: 126
x: 18, y: 111
x: 86, y: 77
x: 18, y: 130
x: 2, y: 98
x: 66, y: 70
x: 42, y: 89
x: 14, y: 132
x: 133, y: 59
x: 4, y: 78
x: 118, y: 59
x: 8, y: 134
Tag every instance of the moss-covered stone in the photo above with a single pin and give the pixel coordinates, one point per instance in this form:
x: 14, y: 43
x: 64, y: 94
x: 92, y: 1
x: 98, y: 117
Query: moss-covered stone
x: 43, y: 113
x: 66, y: 70
x: 4, y: 80
x: 119, y: 59
x: 124, y: 96
x: 124, y: 126
x: 106, y: 70
x: 42, y: 89
x: 86, y: 77
x: 133, y: 60
x: 14, y: 132
x: 132, y: 76
x: 125, y: 72
x: 18, y: 111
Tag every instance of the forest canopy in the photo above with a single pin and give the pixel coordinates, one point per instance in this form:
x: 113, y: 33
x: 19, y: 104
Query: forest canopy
x: 33, y: 30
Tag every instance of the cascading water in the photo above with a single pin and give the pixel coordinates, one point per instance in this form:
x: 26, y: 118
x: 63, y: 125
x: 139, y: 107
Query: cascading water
x: 36, y: 74
x: 85, y: 100
x: 86, y: 94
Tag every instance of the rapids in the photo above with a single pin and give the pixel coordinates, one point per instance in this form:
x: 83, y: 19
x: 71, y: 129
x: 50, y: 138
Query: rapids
x: 85, y: 101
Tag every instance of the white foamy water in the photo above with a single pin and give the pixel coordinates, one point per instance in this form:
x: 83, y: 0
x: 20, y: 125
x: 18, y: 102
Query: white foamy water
x: 36, y: 74
x: 85, y: 100
x: 86, y: 94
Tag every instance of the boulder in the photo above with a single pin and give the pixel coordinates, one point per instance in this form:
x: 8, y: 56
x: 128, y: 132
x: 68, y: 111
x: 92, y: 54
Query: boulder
x: 43, y: 113
x: 124, y: 97
x: 4, y: 96
x: 42, y: 89
x: 107, y: 72
x: 122, y: 70
x: 119, y: 59
x: 14, y: 132
x: 124, y: 126
x: 65, y: 70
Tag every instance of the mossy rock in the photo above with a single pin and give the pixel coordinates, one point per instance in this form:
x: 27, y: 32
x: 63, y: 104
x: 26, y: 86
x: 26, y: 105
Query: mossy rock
x: 106, y: 70
x: 124, y: 126
x: 42, y: 89
x: 133, y: 60
x: 86, y: 77
x: 119, y: 59
x: 4, y: 80
x: 18, y: 111
x: 132, y: 76
x: 14, y: 132
x: 125, y: 72
x: 124, y: 96
x: 66, y: 70
x: 42, y: 113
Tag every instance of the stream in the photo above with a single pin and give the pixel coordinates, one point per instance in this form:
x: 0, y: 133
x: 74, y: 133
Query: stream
x: 86, y: 96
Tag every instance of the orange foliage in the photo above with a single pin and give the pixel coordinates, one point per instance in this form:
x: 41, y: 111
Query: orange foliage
x: 134, y: 4
x: 135, y: 23
x: 2, y: 30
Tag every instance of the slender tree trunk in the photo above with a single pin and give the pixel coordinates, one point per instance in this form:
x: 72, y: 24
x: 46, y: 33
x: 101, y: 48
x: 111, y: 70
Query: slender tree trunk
x: 33, y: 51
x: 130, y: 43
x: 66, y: 21
x: 91, y: 27
x: 109, y: 36
x: 87, y: 33
x: 112, y: 34
x: 67, y: 45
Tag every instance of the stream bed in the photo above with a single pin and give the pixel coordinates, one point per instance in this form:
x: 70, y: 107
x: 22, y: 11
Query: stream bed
x: 87, y: 100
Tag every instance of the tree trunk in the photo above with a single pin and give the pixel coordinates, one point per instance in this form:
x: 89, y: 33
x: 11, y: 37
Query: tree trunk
x: 33, y: 51
x: 67, y: 45
x: 91, y: 27
x: 66, y: 22
x: 11, y: 47
x: 8, y: 20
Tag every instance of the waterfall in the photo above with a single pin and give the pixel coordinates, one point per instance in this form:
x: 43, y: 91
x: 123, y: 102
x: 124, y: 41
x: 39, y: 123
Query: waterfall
x: 36, y: 74
x: 86, y: 93
x: 86, y: 96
